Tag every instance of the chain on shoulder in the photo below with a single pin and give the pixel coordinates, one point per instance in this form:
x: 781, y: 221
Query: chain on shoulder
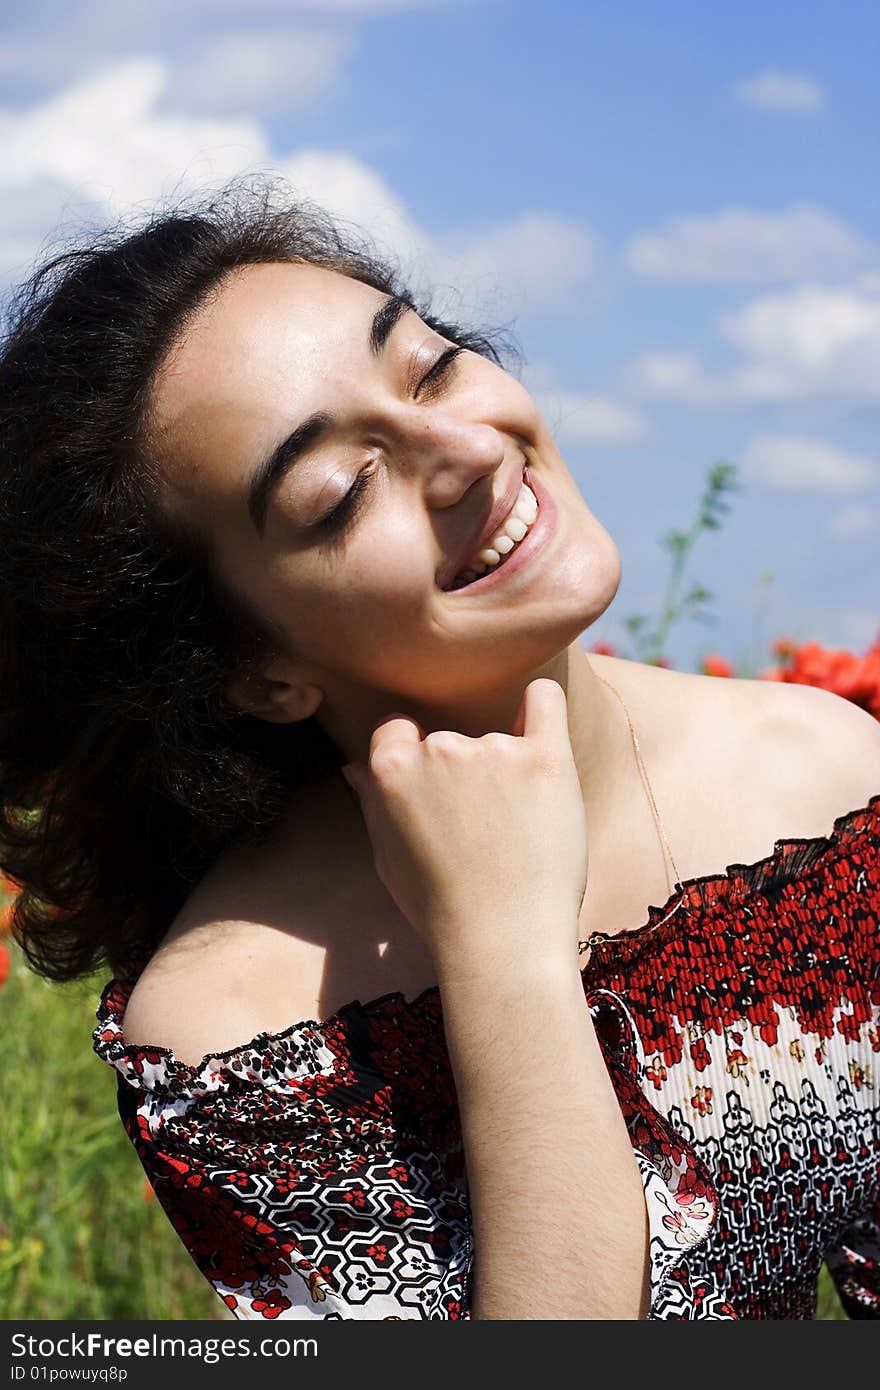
x: 601, y: 938
x: 596, y: 938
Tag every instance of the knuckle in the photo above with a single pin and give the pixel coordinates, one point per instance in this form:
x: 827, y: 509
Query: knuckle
x: 444, y: 743
x: 389, y: 760
x: 495, y: 742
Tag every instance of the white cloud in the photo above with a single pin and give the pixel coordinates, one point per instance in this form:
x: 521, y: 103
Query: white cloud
x: 808, y: 326
x: 797, y: 463
x: 853, y: 523
x: 102, y: 143
x: 782, y: 91
x: 103, y: 139
x: 737, y: 246
x: 27, y: 217
x: 581, y: 417
x: 533, y: 261
x: 258, y: 71
x: 674, y: 377
x: 351, y: 191
x: 811, y: 342
x: 585, y: 419
x: 49, y: 43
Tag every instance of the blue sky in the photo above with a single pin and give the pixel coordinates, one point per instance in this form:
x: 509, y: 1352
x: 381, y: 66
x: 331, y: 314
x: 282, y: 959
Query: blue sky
x: 673, y: 205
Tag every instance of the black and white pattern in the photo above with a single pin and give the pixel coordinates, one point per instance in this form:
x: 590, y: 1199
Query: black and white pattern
x: 319, y: 1172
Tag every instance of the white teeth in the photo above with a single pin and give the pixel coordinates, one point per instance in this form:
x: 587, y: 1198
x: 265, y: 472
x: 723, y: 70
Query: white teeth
x: 519, y: 521
x: 525, y: 509
x: 526, y: 504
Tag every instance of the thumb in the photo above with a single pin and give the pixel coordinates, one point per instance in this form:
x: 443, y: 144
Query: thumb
x: 544, y: 713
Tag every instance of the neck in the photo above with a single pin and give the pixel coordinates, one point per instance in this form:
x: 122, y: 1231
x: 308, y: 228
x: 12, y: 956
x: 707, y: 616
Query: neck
x: 597, y: 725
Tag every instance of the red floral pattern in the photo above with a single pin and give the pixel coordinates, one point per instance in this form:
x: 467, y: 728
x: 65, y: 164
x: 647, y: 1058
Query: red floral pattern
x: 320, y: 1171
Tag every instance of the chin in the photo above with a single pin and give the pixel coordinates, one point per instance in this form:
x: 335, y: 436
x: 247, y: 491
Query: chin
x: 586, y: 578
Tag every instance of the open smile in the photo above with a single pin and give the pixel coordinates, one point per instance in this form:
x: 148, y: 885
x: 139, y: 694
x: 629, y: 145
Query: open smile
x: 523, y: 544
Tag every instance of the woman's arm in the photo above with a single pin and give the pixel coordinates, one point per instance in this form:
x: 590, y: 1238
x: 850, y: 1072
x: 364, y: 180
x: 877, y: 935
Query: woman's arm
x: 560, y: 1227
x: 483, y: 844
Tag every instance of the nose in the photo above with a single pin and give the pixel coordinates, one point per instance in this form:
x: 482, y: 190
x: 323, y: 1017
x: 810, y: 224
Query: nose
x: 453, y: 454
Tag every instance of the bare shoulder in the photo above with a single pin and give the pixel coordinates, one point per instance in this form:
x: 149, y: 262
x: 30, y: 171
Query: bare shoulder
x: 827, y: 748
x: 789, y: 759
x: 277, y: 935
x: 814, y: 755
x: 238, y: 960
x: 210, y: 991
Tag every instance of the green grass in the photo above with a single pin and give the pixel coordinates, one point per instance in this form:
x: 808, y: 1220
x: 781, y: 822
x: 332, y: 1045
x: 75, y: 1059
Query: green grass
x: 829, y: 1303
x: 77, y: 1239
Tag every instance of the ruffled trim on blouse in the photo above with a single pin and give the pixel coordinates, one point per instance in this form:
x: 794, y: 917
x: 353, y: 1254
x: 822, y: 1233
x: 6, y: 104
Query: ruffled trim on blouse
x: 702, y: 900
x: 708, y: 898
x: 303, y: 1052
x: 374, y: 1072
x: 319, y: 1069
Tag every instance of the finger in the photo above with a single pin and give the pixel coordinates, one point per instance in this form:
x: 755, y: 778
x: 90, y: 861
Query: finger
x: 395, y: 728
x: 355, y: 775
x: 544, y: 712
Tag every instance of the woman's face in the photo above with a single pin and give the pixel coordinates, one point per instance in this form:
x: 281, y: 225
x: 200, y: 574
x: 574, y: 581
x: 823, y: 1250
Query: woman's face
x: 362, y: 602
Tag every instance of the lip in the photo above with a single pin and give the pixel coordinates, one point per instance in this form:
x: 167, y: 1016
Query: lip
x: 500, y: 511
x: 543, y: 527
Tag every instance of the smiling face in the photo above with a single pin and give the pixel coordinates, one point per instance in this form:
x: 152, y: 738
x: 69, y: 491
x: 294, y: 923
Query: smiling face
x: 436, y: 445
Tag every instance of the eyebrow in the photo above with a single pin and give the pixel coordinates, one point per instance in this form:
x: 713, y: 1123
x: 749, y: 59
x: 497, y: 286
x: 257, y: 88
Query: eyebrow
x: 277, y: 464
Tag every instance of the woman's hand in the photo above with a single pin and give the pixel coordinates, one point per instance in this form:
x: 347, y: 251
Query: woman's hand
x: 477, y: 839
x: 482, y: 843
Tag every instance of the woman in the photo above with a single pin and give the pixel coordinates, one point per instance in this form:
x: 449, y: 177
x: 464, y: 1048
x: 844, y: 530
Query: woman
x: 268, y: 523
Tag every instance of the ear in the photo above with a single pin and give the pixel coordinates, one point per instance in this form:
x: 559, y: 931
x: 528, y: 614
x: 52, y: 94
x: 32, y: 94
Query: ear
x: 276, y: 701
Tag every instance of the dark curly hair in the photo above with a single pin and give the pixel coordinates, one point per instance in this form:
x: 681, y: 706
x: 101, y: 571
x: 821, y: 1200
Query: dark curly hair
x: 123, y: 773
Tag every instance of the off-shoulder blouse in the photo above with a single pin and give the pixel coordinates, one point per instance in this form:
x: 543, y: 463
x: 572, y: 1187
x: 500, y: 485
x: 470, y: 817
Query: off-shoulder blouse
x: 319, y: 1171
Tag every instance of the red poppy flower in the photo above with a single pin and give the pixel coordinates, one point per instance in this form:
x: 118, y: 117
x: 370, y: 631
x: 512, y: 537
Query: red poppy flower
x: 715, y: 665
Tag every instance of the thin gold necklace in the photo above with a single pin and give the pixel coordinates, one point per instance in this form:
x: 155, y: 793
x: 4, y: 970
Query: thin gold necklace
x: 586, y: 947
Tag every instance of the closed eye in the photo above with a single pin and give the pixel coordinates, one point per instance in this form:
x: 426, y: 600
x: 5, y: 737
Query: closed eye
x: 436, y: 373
x: 346, y: 508
x: 341, y: 516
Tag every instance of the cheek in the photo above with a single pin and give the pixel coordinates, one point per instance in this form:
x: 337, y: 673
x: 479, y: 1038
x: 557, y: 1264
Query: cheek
x: 389, y: 566
x: 381, y: 586
x: 396, y: 579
